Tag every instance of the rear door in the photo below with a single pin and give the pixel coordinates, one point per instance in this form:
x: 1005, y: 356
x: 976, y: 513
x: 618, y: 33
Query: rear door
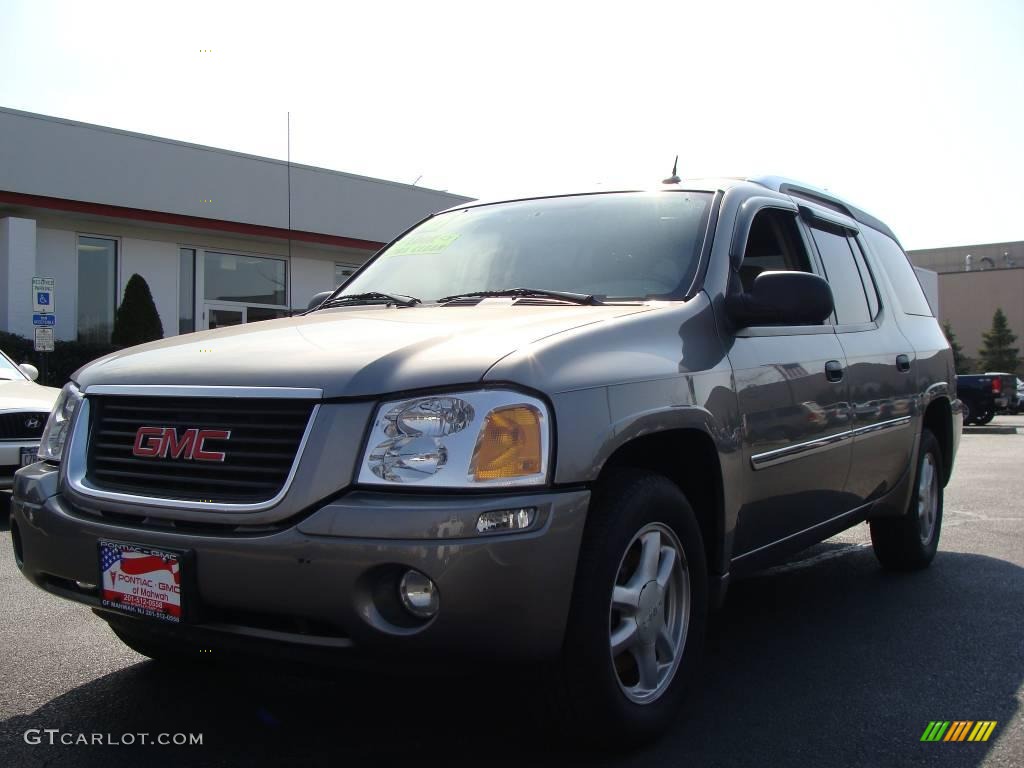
x: 879, y: 360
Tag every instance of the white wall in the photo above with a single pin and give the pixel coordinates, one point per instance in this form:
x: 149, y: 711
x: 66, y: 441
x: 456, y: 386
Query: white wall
x: 42, y: 155
x: 52, y: 251
x: 157, y: 262
x: 313, y: 271
x: 17, y: 268
x: 57, y: 257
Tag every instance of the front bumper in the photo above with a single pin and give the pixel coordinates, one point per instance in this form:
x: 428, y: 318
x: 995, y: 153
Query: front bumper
x: 10, y: 459
x: 329, y: 580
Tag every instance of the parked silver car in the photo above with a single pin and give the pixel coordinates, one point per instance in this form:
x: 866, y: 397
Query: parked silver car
x: 551, y: 429
x: 24, y: 409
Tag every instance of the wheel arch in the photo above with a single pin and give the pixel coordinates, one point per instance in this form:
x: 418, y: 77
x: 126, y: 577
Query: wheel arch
x: 688, y: 457
x: 938, y: 419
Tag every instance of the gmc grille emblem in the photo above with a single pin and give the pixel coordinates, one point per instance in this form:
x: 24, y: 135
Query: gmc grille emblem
x: 164, y: 443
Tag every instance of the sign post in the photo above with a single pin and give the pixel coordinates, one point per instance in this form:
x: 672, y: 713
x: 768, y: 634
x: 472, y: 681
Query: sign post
x: 43, y: 318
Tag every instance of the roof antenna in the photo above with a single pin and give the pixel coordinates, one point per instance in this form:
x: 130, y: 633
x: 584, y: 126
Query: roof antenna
x: 674, y: 178
x: 289, y: 171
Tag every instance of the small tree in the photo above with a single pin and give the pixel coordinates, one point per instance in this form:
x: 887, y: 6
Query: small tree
x: 960, y: 361
x: 137, y: 320
x: 996, y: 352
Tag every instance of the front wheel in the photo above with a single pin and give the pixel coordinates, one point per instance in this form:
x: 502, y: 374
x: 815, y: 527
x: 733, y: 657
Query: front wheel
x: 639, y: 608
x: 909, y: 542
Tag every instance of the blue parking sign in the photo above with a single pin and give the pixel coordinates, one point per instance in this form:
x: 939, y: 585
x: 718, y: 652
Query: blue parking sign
x: 43, y: 298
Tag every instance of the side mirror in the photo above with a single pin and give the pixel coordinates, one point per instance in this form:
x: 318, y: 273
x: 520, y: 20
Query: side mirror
x: 29, y: 370
x: 782, y: 298
x: 318, y: 299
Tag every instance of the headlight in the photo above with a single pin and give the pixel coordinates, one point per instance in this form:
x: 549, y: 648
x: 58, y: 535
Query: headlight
x: 461, y: 440
x: 51, y: 447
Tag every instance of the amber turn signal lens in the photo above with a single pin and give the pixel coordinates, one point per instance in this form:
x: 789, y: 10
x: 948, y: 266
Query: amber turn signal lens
x: 509, y: 444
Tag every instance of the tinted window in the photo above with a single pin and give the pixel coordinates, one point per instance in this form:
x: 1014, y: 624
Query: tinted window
x: 186, y: 290
x: 866, y: 277
x: 774, y: 243
x: 843, y: 276
x: 250, y: 279
x: 608, y: 245
x: 97, y: 288
x: 901, y: 274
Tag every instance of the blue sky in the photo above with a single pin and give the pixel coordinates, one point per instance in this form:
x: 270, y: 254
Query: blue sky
x: 913, y: 110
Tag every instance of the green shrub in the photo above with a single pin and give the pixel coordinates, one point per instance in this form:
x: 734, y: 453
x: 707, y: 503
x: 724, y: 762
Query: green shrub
x: 55, y: 368
x: 137, y: 320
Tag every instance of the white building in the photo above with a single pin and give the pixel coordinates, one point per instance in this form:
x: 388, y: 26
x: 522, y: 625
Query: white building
x: 208, y: 229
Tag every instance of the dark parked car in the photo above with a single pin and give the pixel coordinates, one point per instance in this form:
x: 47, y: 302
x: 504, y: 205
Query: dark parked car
x: 549, y: 429
x: 984, y: 394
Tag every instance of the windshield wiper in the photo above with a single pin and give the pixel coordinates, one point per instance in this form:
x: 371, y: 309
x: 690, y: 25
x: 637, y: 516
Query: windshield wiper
x: 372, y: 297
x: 575, y: 298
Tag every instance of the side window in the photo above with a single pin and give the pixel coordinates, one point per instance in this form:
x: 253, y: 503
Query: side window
x: 774, y: 243
x: 900, y: 272
x: 842, y: 274
x: 866, y: 277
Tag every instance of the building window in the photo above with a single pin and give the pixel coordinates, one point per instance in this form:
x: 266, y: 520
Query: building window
x: 245, y: 279
x: 343, y: 272
x: 186, y: 290
x: 240, y: 289
x: 97, y: 288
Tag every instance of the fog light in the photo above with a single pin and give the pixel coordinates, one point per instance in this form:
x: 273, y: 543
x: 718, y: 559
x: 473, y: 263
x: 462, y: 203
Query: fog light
x: 419, y: 595
x: 506, y: 520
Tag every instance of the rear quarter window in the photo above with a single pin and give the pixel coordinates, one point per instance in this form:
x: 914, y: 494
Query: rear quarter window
x: 900, y: 273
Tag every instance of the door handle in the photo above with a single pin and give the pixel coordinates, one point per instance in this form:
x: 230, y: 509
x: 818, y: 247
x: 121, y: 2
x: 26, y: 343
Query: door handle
x: 902, y: 363
x: 834, y: 370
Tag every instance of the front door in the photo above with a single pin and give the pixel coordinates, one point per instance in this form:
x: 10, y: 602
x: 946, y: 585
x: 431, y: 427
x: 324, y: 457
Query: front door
x: 793, y: 396
x: 222, y: 315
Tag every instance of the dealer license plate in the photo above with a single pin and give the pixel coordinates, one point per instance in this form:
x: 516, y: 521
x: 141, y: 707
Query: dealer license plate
x: 141, y: 580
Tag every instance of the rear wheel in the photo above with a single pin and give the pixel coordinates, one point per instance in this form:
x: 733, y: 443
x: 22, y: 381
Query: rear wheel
x: 985, y: 418
x: 909, y: 542
x: 636, y: 625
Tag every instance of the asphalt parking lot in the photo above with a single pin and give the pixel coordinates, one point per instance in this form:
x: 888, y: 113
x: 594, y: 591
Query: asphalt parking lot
x: 824, y: 660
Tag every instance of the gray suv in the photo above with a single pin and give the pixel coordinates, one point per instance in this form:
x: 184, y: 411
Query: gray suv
x: 547, y: 429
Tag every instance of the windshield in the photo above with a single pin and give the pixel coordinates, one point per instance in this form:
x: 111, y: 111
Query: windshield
x: 9, y: 370
x: 622, y: 245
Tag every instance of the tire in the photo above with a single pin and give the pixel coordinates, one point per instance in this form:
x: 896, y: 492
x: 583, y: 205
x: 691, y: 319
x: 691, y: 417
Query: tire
x: 967, y: 412
x: 985, y: 418
x: 659, y: 616
x: 909, y: 543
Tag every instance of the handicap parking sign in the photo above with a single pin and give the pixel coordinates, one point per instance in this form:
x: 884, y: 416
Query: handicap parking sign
x: 42, y: 295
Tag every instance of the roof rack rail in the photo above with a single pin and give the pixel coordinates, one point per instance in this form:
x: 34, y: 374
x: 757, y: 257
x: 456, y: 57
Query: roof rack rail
x: 821, y: 197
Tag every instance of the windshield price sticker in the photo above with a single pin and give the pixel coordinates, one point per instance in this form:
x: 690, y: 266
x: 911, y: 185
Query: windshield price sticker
x: 417, y: 245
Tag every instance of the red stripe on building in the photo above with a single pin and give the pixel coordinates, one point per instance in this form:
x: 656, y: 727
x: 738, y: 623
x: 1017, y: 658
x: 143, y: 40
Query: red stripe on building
x: 195, y: 222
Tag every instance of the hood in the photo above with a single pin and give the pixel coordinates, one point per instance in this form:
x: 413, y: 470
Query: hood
x: 26, y: 396
x: 350, y: 352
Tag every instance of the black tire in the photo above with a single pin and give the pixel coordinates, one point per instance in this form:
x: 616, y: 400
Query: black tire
x: 593, y: 689
x: 909, y: 542
x: 985, y: 418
